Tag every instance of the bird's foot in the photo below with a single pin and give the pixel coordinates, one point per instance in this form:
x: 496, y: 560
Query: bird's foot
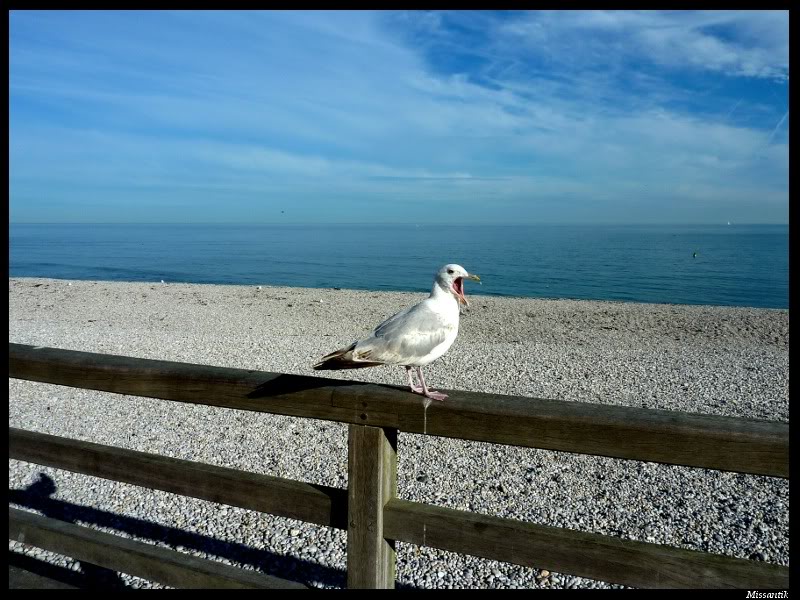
x: 417, y: 389
x: 436, y: 395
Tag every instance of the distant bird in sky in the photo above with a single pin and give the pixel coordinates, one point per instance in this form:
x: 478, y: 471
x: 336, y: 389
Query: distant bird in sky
x: 414, y: 337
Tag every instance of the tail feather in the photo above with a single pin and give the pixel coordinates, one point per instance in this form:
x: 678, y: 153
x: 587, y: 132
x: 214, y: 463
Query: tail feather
x: 342, y: 359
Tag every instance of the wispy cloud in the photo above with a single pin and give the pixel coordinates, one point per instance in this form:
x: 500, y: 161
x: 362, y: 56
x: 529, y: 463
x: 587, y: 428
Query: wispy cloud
x: 737, y: 43
x: 475, y: 115
x: 777, y: 127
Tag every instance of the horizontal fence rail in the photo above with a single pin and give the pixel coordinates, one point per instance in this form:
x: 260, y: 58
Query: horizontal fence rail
x: 589, y: 555
x: 369, y: 509
x: 135, y: 558
x: 318, y: 504
x: 695, y: 440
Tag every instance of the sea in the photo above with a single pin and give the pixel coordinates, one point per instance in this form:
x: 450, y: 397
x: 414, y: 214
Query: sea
x: 723, y: 265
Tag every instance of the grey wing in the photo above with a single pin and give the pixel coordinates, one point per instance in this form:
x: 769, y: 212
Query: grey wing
x: 404, y: 338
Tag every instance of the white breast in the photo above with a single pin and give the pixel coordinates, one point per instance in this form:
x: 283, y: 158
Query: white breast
x: 446, y: 308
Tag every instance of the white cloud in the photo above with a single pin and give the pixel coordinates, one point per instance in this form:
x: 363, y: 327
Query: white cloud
x: 754, y: 44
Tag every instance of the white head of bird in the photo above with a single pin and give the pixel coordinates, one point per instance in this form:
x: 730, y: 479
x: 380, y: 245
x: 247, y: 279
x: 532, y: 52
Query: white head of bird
x: 450, y: 279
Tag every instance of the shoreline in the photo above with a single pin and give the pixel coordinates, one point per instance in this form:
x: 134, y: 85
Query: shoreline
x: 366, y: 290
x: 730, y: 361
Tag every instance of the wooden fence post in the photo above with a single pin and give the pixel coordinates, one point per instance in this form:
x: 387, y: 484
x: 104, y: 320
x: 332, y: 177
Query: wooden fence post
x: 372, y: 482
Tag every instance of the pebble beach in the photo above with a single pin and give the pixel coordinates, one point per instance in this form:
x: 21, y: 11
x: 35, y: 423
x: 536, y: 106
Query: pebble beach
x: 700, y: 359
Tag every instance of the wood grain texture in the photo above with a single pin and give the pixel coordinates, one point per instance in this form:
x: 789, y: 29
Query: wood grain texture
x: 594, y: 556
x: 135, y: 558
x: 318, y: 504
x: 709, y: 441
x: 28, y: 573
x: 372, y: 482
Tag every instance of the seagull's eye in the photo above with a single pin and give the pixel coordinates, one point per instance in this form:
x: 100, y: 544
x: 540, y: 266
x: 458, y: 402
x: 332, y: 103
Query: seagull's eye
x: 449, y: 271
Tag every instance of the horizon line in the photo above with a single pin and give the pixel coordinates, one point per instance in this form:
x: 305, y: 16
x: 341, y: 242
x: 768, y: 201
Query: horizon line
x: 427, y: 224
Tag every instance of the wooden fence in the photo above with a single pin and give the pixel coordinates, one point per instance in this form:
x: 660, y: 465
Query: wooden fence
x: 369, y: 508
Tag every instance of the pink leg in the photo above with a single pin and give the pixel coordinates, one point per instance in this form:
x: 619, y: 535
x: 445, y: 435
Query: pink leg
x: 417, y: 389
x: 425, y: 391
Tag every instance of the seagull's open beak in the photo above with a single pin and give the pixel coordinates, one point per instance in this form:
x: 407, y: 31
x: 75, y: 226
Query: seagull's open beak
x: 459, y: 288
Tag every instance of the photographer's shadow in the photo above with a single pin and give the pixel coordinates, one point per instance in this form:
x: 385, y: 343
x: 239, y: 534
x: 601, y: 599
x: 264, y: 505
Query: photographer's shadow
x: 38, y: 497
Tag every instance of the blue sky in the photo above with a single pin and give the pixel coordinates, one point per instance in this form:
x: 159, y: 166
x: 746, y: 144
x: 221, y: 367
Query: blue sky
x: 411, y: 117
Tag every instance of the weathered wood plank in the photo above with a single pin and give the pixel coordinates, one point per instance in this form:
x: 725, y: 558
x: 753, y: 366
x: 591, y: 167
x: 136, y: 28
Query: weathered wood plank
x: 135, y: 558
x: 243, y: 389
x: 372, y: 482
x: 318, y: 504
x: 594, y: 556
x: 709, y: 441
x: 28, y: 573
x: 20, y: 579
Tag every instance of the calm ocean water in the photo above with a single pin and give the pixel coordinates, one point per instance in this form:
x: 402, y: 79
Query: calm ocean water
x: 736, y: 265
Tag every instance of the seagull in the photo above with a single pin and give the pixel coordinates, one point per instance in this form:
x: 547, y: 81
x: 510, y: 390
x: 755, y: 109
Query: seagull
x: 414, y: 337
